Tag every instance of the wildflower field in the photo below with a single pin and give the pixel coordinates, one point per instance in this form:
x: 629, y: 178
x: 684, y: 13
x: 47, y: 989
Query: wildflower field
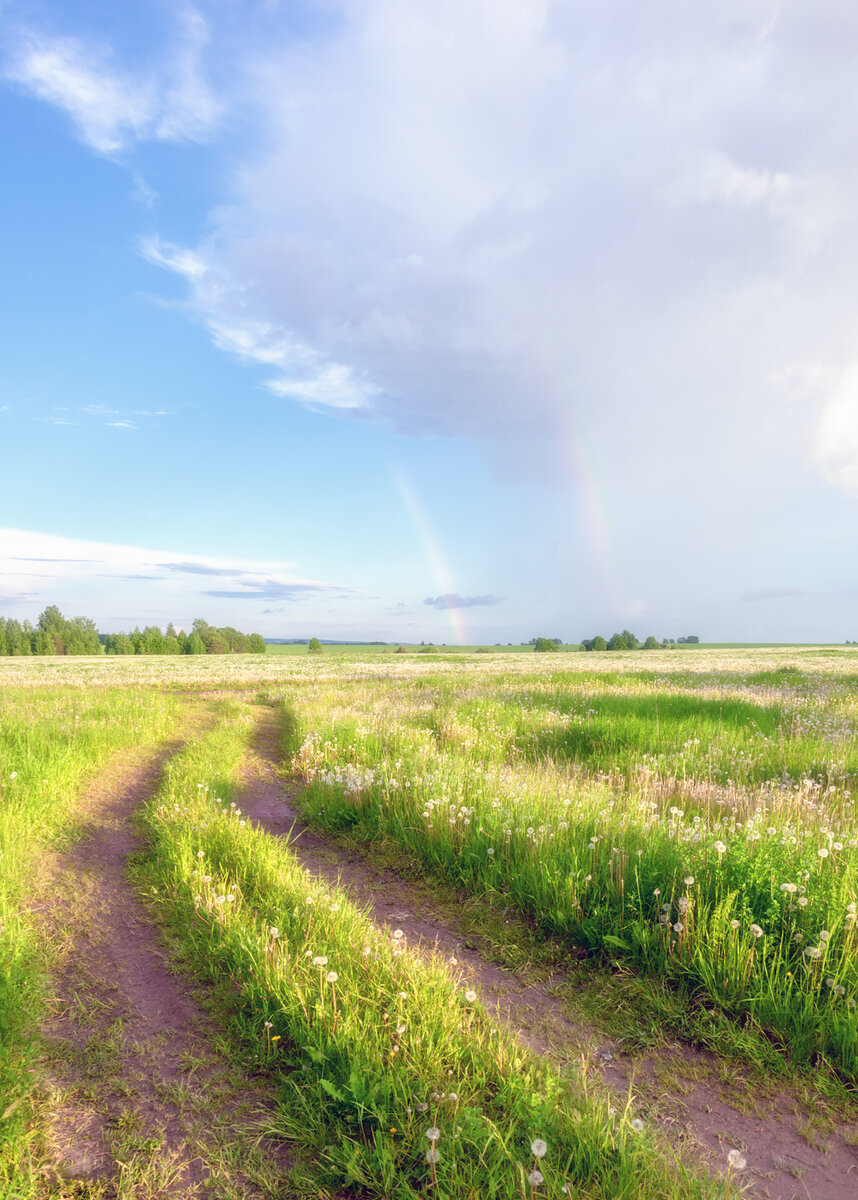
x: 686, y: 818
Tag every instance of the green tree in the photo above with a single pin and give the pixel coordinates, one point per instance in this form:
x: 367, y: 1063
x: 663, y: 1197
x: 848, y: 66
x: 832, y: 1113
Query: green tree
x: 315, y: 646
x: 153, y: 640
x: 651, y: 643
x: 545, y: 646
x: 196, y: 645
x: 83, y: 637
x: 257, y: 644
x: 632, y: 642
x: 118, y: 643
x: 618, y: 642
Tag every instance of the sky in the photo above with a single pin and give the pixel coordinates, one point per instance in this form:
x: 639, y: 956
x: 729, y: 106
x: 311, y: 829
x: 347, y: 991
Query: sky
x: 448, y: 320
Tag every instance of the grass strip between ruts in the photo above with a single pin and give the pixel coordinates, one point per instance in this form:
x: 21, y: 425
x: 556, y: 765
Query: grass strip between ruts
x: 395, y: 1078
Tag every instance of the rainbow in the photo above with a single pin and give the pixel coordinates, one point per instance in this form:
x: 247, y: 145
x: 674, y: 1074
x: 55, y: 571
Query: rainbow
x: 435, y: 560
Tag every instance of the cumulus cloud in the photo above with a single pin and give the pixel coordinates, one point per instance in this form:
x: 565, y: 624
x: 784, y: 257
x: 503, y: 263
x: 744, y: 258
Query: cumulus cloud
x: 602, y: 204
x: 112, y: 105
x: 603, y: 223
x: 453, y: 600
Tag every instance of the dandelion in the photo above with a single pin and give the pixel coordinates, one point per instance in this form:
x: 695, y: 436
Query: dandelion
x: 535, y: 1178
x: 320, y: 961
x: 538, y: 1148
x: 637, y: 1125
x: 756, y: 931
x: 433, y: 1156
x: 689, y: 879
x: 433, y: 1134
x: 719, y: 848
x: 332, y: 977
x: 453, y: 1097
x: 470, y: 996
x: 274, y: 932
x: 823, y: 852
x: 736, y: 1160
x: 734, y: 924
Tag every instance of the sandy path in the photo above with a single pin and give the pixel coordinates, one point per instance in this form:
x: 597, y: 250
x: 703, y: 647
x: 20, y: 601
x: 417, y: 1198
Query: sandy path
x: 129, y: 1069
x: 782, y: 1165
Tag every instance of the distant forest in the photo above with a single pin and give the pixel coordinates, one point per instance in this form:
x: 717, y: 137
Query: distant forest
x: 55, y: 634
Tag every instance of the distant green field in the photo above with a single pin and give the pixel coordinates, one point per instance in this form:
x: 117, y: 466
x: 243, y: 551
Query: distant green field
x: 391, y: 647
x: 573, y: 648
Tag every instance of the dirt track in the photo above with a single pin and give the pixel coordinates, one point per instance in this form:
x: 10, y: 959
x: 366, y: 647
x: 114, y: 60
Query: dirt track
x: 144, y: 1104
x: 782, y: 1164
x: 129, y: 1069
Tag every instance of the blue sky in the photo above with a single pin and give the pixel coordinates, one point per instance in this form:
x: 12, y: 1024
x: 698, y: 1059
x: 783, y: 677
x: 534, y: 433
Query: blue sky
x: 454, y: 319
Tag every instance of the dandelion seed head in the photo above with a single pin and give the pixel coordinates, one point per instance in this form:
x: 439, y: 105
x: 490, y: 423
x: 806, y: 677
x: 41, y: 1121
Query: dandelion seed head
x: 538, y: 1148
x: 737, y: 1161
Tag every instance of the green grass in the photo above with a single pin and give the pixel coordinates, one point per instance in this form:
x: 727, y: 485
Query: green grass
x: 617, y: 826
x: 372, y: 1045
x: 50, y: 745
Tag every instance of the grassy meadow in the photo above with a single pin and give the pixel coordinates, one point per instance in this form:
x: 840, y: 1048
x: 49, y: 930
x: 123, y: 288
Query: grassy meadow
x: 681, y: 817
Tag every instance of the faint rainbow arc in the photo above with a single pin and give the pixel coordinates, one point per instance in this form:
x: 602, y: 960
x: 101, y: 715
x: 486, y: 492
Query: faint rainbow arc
x: 433, y: 554
x: 593, y: 511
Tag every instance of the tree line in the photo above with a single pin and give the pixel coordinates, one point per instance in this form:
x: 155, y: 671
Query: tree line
x: 55, y: 634
x: 627, y: 641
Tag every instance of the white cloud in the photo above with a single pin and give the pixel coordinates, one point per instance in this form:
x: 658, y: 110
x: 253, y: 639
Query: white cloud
x: 111, y: 105
x: 514, y: 240
x: 82, y: 575
x: 720, y: 178
x: 837, y: 432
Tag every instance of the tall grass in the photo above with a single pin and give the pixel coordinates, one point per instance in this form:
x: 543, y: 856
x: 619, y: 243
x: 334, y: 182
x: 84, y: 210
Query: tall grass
x: 50, y: 744
x: 390, y: 1072
x: 742, y: 889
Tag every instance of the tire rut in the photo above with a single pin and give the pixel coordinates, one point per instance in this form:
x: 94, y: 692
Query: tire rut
x: 129, y: 1072
x: 697, y: 1117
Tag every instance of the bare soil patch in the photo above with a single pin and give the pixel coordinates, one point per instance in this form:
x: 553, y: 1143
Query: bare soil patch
x: 687, y: 1092
x: 140, y: 1100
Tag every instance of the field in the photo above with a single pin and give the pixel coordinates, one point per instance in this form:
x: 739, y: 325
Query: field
x: 456, y: 924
